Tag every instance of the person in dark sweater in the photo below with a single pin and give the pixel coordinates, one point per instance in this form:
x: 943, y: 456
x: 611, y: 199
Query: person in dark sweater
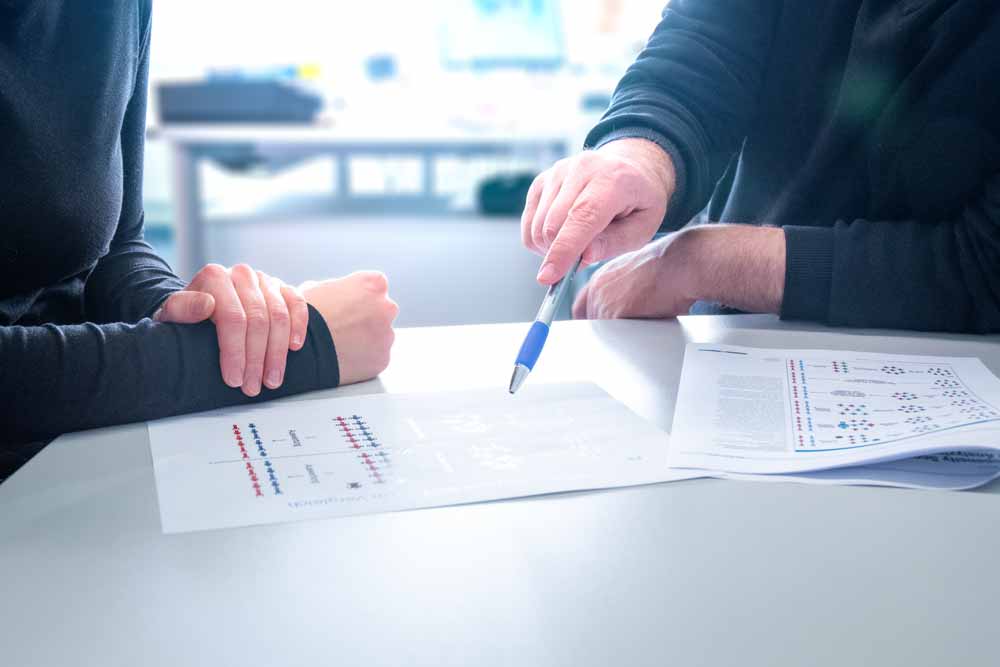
x: 95, y: 329
x: 851, y: 149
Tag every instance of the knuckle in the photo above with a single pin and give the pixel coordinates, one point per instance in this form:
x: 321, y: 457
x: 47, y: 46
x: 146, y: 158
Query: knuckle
x: 585, y: 212
x: 278, y: 314
x: 587, y: 158
x: 619, y: 171
x: 536, y: 234
x: 244, y: 271
x: 563, y: 245
x: 172, y: 301
x: 234, y: 317
x: 256, y: 318
x: 193, y: 308
x: 383, y: 358
x: 293, y: 296
x: 375, y: 281
x: 212, y: 271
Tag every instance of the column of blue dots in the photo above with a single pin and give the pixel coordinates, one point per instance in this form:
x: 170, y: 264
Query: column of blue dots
x: 271, y: 475
x: 365, y: 432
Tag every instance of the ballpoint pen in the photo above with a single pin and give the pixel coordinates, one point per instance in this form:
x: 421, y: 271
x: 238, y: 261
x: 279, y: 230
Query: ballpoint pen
x: 539, y: 331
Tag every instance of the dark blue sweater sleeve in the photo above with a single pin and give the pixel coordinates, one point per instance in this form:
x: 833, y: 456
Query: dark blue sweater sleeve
x: 693, y: 90
x: 928, y: 275
x: 131, y: 280
x: 59, y: 378
x: 120, y: 366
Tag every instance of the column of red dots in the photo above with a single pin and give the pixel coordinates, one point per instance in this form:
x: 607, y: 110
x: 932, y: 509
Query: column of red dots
x: 254, y: 481
x: 345, y: 431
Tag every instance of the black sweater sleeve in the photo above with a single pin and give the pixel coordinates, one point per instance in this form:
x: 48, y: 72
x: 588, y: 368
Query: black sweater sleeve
x: 937, y: 276
x: 693, y: 90
x: 119, y: 366
x: 55, y: 379
x: 131, y: 280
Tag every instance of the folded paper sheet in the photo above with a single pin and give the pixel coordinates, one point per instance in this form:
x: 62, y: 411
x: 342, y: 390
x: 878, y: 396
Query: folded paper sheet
x: 837, y: 417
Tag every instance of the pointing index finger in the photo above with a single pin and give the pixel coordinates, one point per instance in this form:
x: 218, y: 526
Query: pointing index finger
x: 594, y: 209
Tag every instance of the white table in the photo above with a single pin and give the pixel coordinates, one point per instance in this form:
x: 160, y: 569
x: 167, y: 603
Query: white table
x: 692, y: 573
x: 278, y: 145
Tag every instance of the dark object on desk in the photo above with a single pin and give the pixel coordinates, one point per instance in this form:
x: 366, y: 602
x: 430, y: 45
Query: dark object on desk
x: 237, y: 101
x: 505, y: 194
x: 595, y: 102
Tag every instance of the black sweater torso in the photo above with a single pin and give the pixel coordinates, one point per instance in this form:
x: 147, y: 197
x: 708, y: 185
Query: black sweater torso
x: 868, y: 129
x: 77, y: 280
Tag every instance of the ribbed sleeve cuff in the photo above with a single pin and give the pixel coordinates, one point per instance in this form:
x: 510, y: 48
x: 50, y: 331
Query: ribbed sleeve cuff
x: 808, y: 273
x: 324, y: 350
x: 680, y: 173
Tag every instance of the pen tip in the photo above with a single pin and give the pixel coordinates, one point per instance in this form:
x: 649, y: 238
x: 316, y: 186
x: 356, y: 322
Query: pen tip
x: 517, y: 379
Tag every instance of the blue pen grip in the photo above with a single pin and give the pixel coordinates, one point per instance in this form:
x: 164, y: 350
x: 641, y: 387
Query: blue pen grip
x: 532, y: 345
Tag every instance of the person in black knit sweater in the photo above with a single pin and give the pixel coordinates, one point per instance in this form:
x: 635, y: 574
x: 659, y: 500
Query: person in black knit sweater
x: 848, y: 152
x: 95, y: 329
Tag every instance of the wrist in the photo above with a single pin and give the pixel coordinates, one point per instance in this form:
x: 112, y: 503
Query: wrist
x: 742, y: 266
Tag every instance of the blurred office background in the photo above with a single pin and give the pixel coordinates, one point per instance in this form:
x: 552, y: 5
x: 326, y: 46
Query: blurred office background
x: 433, y: 115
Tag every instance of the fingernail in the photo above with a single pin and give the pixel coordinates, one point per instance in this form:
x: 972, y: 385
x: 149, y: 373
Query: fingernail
x: 547, y: 273
x: 296, y: 341
x: 158, y: 314
x: 274, y: 379
x: 252, y: 387
x: 234, y: 379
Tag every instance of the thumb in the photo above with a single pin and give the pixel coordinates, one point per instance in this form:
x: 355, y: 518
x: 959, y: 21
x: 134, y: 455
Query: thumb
x: 186, y: 307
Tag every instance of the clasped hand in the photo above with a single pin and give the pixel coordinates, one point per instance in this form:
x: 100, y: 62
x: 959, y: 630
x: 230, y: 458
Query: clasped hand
x: 259, y: 319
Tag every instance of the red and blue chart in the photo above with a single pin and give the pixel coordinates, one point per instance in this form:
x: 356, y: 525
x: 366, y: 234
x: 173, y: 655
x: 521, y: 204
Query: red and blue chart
x: 853, y: 403
x: 332, y: 457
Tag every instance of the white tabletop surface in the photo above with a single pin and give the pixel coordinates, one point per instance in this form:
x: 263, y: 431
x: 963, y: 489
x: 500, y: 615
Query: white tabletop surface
x: 703, y: 572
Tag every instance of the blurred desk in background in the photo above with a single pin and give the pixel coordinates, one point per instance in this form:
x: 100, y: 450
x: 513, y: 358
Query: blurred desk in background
x: 275, y: 146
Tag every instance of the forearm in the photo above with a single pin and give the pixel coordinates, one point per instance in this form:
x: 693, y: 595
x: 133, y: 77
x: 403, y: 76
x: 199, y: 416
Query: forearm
x: 742, y: 266
x: 55, y: 379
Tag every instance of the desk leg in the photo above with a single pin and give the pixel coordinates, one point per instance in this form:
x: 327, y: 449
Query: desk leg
x: 427, y: 176
x: 188, y: 220
x: 343, y: 184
